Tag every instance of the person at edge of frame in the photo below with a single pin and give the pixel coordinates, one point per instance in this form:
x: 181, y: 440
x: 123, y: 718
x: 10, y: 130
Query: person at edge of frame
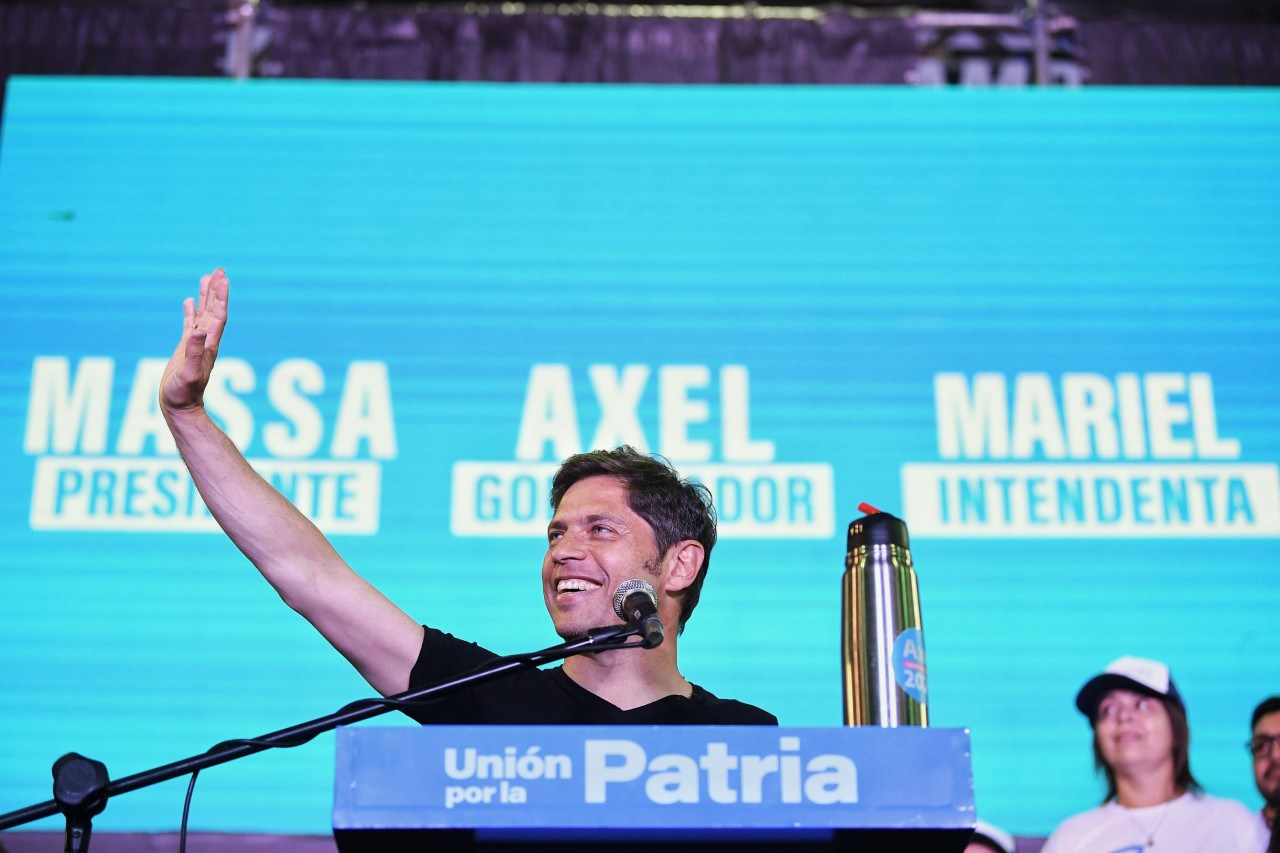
x: 1141, y: 741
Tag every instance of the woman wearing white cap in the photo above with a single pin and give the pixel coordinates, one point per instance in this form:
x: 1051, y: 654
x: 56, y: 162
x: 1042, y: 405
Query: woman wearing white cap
x: 1153, y: 803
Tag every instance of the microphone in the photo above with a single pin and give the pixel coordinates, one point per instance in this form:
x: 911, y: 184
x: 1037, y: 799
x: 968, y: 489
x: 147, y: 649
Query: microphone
x: 636, y: 603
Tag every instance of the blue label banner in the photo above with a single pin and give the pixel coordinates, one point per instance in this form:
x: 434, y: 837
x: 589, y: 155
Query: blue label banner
x: 729, y: 777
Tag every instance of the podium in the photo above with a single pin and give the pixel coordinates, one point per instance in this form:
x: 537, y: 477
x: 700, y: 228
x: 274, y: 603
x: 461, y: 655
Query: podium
x: 705, y: 788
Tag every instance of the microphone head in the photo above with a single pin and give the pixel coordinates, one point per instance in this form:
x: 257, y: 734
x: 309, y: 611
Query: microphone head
x: 626, y: 588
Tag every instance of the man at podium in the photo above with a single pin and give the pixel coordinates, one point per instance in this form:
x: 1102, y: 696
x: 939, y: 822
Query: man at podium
x: 619, y: 515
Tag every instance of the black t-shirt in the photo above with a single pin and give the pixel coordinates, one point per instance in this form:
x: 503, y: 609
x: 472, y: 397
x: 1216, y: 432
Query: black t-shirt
x: 530, y: 696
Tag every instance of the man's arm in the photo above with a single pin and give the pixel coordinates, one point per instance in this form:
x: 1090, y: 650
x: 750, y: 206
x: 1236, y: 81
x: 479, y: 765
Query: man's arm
x: 379, y: 638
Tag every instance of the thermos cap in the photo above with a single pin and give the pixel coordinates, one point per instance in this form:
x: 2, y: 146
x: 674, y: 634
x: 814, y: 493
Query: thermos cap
x: 878, y: 528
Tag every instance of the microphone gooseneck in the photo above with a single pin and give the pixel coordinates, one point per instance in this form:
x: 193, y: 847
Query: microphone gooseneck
x: 636, y: 603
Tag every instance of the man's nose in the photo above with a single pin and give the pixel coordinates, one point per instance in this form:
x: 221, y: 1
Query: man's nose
x: 567, y: 547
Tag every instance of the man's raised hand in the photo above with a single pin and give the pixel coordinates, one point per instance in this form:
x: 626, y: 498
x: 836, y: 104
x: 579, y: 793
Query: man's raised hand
x: 187, y: 373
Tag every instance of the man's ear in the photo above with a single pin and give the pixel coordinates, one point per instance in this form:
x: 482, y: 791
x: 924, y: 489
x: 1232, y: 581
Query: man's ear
x: 685, y: 561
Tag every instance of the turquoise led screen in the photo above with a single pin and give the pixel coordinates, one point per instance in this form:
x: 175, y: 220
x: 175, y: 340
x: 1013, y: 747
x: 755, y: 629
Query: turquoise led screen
x: 1042, y: 327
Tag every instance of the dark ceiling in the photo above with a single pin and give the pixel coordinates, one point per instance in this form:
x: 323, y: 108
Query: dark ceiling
x: 1183, y: 10
x: 1223, y: 11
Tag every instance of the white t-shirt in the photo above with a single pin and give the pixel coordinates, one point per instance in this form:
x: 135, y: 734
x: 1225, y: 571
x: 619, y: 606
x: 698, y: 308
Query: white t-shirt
x: 1190, y: 824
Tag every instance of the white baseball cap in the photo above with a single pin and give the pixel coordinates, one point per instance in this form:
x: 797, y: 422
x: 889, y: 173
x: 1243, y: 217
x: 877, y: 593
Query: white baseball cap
x: 1128, y: 673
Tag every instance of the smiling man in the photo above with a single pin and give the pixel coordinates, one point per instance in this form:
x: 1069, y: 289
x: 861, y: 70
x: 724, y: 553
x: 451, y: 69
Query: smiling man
x: 619, y: 515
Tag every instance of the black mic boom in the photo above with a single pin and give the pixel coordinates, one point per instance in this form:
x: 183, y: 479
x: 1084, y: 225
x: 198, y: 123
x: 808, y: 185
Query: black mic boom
x: 636, y: 603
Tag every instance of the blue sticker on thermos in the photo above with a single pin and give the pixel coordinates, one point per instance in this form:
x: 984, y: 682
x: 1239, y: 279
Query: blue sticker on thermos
x: 908, y: 664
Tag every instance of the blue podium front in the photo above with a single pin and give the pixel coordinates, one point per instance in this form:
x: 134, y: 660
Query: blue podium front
x: 462, y: 787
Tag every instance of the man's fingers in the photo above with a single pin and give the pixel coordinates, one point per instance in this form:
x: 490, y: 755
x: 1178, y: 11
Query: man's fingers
x: 204, y: 294
x: 203, y: 318
x: 224, y: 292
x: 214, y: 334
x: 213, y: 288
x: 215, y: 316
x: 188, y: 323
x: 196, y: 341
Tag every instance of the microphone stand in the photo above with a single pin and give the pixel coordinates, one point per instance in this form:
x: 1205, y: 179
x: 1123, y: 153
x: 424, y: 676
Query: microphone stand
x: 81, y: 787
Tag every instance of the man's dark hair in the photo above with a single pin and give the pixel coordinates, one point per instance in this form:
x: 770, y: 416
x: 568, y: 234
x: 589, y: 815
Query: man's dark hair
x: 1183, y: 781
x: 677, y: 509
x: 1267, y: 706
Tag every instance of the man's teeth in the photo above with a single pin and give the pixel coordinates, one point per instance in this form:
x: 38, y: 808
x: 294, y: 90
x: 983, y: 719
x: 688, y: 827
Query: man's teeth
x: 575, y: 585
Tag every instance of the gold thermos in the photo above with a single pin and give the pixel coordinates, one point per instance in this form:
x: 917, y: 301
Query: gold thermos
x: 883, y: 640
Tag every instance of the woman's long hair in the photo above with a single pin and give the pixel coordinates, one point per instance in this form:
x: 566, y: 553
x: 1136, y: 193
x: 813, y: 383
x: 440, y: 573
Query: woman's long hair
x: 1183, y: 781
